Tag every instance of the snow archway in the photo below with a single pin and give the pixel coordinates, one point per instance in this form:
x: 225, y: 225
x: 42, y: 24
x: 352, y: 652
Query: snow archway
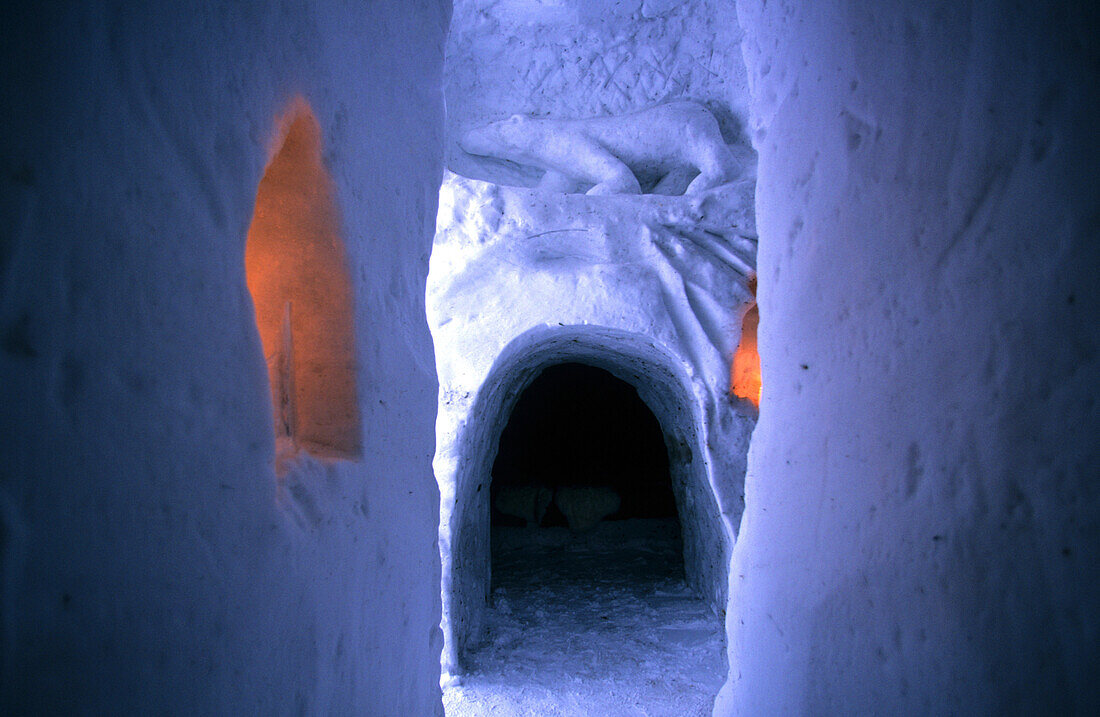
x: 661, y: 384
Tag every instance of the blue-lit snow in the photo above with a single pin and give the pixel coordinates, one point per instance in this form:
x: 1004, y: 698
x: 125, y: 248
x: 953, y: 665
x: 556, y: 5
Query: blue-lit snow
x: 599, y: 623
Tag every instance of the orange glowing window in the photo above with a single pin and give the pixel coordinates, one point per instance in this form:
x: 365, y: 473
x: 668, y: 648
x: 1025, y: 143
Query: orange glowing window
x: 745, y: 371
x: 298, y: 277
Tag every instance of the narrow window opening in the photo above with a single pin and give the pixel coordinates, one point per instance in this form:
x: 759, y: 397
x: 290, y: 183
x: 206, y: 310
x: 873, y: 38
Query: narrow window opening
x: 745, y: 380
x: 297, y: 273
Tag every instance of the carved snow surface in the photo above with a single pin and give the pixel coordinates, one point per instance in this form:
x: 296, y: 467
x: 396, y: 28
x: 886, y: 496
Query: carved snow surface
x: 651, y: 288
x: 674, y: 148
x: 676, y: 268
x: 589, y: 58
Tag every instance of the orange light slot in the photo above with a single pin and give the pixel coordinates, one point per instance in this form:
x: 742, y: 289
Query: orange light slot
x: 745, y: 372
x: 297, y: 274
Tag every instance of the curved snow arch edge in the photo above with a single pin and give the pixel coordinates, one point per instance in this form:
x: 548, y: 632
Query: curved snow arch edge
x: 665, y: 388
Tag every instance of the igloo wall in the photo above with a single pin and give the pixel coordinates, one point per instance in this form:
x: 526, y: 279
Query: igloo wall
x: 921, y: 518
x: 151, y: 561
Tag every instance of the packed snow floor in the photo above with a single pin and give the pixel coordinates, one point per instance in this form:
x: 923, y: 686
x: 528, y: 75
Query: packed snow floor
x: 594, y: 624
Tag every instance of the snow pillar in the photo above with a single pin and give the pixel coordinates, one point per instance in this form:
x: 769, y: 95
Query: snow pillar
x: 152, y: 561
x: 921, y: 518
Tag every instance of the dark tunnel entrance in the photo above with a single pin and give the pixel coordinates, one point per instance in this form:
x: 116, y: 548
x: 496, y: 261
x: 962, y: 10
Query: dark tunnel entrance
x: 579, y: 426
x: 587, y: 577
x: 534, y: 608
x: 581, y: 494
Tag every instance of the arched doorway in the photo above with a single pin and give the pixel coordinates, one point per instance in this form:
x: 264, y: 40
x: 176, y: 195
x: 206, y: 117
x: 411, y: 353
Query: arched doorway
x: 597, y: 592
x: 660, y: 382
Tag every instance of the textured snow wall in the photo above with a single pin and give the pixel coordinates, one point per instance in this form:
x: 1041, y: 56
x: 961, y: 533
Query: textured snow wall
x: 151, y: 560
x: 574, y: 59
x: 650, y: 288
x: 921, y: 519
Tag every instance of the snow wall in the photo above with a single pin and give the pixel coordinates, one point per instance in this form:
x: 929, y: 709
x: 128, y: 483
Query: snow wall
x: 151, y: 560
x: 922, y: 517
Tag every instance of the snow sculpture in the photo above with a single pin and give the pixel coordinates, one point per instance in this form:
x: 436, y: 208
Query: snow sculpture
x: 527, y: 502
x: 585, y: 506
x: 665, y: 144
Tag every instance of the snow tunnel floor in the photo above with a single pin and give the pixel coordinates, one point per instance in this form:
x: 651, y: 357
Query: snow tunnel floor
x: 600, y: 623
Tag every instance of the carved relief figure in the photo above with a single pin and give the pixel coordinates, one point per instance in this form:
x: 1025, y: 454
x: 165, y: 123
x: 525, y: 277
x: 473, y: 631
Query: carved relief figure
x: 663, y: 146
